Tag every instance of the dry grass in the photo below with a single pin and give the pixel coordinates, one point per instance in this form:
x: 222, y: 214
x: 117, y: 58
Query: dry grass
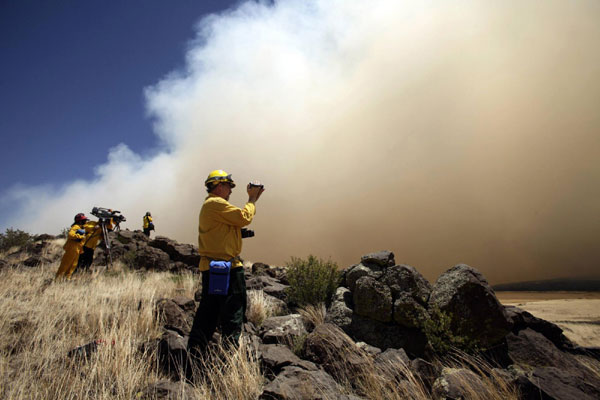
x: 313, y: 315
x: 42, y: 320
x: 260, y: 307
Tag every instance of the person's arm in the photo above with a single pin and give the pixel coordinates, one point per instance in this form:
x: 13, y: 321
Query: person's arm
x: 232, y: 215
x: 73, y: 235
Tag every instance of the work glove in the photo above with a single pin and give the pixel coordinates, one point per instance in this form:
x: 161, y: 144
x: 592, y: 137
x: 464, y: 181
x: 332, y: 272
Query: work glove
x: 80, y: 232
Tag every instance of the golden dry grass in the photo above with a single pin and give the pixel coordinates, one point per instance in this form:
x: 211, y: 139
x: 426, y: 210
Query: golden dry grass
x: 42, y: 320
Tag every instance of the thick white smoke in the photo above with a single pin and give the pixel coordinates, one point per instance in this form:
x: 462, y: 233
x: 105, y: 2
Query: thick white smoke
x: 444, y: 131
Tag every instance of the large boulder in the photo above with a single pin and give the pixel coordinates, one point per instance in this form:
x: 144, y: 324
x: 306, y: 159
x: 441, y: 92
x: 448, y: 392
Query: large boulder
x: 522, y: 319
x: 151, y: 258
x: 185, y: 253
x: 386, y: 335
x: 373, y: 299
x: 465, y: 296
x: 404, y: 279
x: 555, y: 372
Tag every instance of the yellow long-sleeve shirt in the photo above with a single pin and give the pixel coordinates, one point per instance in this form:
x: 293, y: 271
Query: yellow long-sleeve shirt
x: 74, y: 239
x: 93, y: 231
x: 219, y: 230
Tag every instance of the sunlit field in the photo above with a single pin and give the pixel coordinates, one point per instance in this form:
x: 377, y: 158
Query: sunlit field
x: 577, y: 313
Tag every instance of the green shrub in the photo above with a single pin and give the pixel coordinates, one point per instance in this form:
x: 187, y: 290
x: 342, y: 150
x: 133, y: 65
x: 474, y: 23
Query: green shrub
x: 312, y: 281
x: 441, y: 338
x: 14, y: 237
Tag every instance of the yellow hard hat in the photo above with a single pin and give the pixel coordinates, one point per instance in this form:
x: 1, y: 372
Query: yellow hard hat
x: 218, y: 176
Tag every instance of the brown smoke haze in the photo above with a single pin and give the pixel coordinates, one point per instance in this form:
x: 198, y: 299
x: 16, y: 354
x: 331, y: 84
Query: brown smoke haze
x: 446, y: 132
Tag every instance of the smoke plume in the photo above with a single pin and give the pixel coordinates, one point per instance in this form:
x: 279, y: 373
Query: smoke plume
x: 444, y: 131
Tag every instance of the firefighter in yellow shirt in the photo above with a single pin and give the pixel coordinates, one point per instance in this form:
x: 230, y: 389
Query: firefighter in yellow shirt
x: 93, y: 232
x: 219, y: 245
x: 72, y: 247
x: 148, y: 224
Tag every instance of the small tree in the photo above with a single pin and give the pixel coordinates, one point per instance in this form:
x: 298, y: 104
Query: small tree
x: 14, y: 237
x: 312, y: 281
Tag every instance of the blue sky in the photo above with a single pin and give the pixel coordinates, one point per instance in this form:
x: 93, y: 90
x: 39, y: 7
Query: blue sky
x: 72, y: 80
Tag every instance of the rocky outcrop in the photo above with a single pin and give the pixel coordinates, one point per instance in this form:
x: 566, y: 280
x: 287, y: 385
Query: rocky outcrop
x: 464, y: 295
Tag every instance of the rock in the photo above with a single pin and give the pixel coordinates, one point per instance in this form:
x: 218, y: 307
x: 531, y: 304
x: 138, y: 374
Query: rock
x: 386, y: 335
x: 269, y: 285
x: 475, y: 312
x: 340, y: 312
x: 274, y: 357
x: 260, y: 268
x: 295, y: 383
x: 173, y: 316
x: 151, y: 258
x: 372, y: 299
x: 561, y: 384
x: 355, y: 273
x: 35, y: 261
x: 393, y: 356
x: 425, y: 370
x: 166, y: 390
x: 185, y: 253
x: 379, y: 260
x: 335, y: 351
x: 406, y: 280
x: 522, y: 319
x: 408, y: 312
x: 284, y: 329
x: 43, y: 237
x: 128, y: 237
x: 393, y: 364
x: 172, y: 353
x: 554, y: 371
x: 459, y: 383
x: 367, y: 348
x: 185, y: 303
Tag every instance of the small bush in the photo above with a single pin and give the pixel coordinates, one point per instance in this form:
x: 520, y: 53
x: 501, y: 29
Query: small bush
x: 312, y: 281
x: 440, y: 335
x: 13, y: 238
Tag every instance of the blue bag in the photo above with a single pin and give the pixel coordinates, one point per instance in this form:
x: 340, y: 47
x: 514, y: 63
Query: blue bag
x: 218, y: 282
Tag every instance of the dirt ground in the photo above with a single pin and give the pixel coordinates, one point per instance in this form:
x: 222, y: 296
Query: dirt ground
x: 577, y: 313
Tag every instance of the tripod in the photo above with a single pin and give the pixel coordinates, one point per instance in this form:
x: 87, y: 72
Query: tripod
x: 103, y: 223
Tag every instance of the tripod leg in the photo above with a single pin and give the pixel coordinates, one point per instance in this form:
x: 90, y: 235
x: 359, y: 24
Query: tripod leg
x: 107, y: 245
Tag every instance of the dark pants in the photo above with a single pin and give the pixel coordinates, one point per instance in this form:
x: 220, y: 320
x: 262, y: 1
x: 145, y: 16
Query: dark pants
x: 85, y: 259
x: 229, y: 310
x: 147, y: 232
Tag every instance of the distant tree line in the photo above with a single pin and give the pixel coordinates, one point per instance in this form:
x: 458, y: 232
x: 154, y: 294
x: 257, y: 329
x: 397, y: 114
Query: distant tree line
x: 14, y: 238
x: 550, y: 285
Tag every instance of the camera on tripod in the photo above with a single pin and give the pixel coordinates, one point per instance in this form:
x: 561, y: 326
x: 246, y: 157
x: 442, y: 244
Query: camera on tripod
x: 246, y: 233
x: 105, y: 214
